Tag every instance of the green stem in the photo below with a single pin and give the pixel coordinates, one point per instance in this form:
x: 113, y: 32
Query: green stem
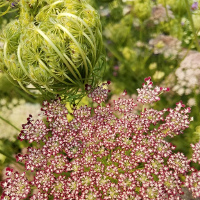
x: 141, y: 30
x: 92, y: 45
x: 48, y: 89
x: 25, y: 95
x: 26, y: 90
x: 3, y: 13
x: 166, y: 10
x: 143, y: 107
x: 11, y: 158
x: 101, y: 42
x: 55, y: 3
x: 8, y: 122
x: 192, y: 25
x: 86, y: 36
x: 89, y: 65
x: 114, y: 52
x: 50, y: 7
x: 11, y: 80
x: 51, y: 91
x: 4, y: 49
x: 2, y: 4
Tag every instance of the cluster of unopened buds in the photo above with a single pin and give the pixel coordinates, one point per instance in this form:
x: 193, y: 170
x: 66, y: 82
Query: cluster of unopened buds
x: 98, y: 155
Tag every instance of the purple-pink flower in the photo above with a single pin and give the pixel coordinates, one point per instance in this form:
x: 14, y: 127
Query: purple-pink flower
x: 196, y: 152
x: 194, y: 6
x: 148, y: 94
x: 16, y: 186
x: 102, y: 155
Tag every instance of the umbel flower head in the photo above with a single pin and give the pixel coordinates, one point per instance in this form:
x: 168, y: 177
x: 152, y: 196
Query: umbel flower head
x: 99, y: 156
x: 56, y: 45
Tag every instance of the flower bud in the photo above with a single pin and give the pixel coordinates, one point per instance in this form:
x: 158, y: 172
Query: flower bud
x: 54, y: 45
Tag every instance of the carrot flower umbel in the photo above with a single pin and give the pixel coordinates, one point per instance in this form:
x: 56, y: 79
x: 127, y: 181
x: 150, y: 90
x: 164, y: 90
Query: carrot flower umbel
x: 101, y: 155
x: 54, y: 45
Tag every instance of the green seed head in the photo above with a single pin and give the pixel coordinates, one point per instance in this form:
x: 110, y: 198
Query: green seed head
x: 56, y: 45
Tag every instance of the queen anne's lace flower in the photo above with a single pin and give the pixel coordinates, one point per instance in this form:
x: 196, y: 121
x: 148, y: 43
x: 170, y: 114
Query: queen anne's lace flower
x: 17, y: 115
x: 166, y: 45
x: 16, y: 186
x: 161, y: 14
x: 193, y: 183
x: 99, y: 155
x: 99, y: 94
x: 196, y: 152
x: 147, y: 95
x: 188, y: 75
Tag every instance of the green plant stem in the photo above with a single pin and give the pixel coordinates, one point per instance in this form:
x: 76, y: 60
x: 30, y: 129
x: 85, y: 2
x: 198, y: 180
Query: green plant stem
x: 143, y: 107
x: 12, y: 81
x: 141, y: 30
x: 5, y: 49
x: 192, y: 25
x: 72, y: 64
x: 26, y: 90
x: 26, y: 72
x: 81, y: 20
x: 28, y: 98
x: 8, y: 122
x: 5, y: 12
x: 10, y: 157
x: 114, y: 52
x: 165, y: 5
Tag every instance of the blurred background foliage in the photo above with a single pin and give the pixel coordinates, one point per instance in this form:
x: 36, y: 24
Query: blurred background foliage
x: 157, y: 38
x: 160, y: 39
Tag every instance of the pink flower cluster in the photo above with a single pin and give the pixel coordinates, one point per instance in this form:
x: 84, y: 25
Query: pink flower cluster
x: 149, y: 95
x: 98, y: 155
x: 99, y: 94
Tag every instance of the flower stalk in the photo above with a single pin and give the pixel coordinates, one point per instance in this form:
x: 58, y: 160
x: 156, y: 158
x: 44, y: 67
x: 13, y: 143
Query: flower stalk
x: 192, y: 25
x: 10, y: 158
x: 8, y: 122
